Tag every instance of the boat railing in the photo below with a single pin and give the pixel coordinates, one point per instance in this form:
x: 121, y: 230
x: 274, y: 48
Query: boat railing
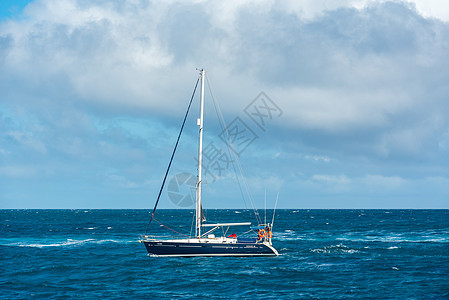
x: 165, y: 237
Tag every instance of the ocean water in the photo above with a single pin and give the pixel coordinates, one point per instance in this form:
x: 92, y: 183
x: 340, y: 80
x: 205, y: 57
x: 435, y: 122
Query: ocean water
x: 329, y: 254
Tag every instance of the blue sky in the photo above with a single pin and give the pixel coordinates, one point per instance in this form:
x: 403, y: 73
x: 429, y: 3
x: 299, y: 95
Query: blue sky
x: 12, y: 8
x: 93, y: 94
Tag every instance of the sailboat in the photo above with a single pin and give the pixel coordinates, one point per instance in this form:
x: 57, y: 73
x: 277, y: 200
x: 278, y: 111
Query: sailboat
x: 204, y: 242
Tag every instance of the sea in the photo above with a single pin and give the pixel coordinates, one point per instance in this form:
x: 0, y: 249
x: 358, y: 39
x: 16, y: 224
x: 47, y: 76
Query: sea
x: 324, y: 254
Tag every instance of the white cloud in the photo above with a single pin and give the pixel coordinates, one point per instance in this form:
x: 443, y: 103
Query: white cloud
x: 355, y: 79
x: 335, y: 72
x: 28, y: 141
x: 318, y: 158
x: 131, y: 55
x: 17, y: 171
x: 334, y: 179
x: 381, y: 182
x: 433, y: 8
x: 121, y: 181
x: 443, y: 144
x: 270, y: 183
x: 311, y: 9
x: 106, y: 53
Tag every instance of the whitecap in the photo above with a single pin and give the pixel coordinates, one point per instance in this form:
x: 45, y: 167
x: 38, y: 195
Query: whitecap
x: 340, y: 248
x: 411, y: 237
x: 68, y: 243
x: 351, y: 251
x: 253, y: 272
x: 113, y: 241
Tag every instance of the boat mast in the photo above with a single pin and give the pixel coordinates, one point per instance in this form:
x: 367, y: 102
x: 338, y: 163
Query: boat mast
x: 200, y: 160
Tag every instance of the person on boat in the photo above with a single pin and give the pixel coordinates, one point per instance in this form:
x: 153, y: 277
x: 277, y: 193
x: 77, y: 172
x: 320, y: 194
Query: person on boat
x: 265, y: 233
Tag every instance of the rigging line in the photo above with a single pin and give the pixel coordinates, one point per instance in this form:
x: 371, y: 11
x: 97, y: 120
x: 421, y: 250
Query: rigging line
x: 265, y: 222
x: 191, y: 226
x: 222, y: 126
x: 256, y: 213
x: 173, y: 155
x: 246, y: 232
x: 274, y: 212
x: 171, y: 228
x: 223, y: 123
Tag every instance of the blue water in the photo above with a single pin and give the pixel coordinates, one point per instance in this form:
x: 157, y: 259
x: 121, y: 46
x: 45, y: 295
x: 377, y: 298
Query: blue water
x: 323, y: 254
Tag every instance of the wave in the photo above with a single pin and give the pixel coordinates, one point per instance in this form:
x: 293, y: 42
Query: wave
x: 395, y: 239
x: 253, y: 272
x: 67, y: 243
x: 287, y: 235
x: 365, y: 237
x: 340, y: 248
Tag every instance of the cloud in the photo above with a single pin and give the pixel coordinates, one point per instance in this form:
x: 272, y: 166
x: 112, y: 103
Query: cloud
x: 18, y: 171
x: 121, y: 181
x: 95, y: 85
x: 433, y: 9
x: 382, y: 182
x: 339, y: 180
x: 318, y: 158
x: 311, y: 9
x: 27, y: 141
x: 118, y: 55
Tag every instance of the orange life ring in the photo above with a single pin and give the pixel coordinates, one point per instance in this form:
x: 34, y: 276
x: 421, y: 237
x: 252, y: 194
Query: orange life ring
x: 262, y: 233
x: 270, y: 234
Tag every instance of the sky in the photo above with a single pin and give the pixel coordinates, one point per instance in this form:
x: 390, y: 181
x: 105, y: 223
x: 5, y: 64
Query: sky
x: 343, y: 104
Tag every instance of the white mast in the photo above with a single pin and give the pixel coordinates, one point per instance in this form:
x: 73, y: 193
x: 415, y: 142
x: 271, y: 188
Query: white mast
x: 200, y: 160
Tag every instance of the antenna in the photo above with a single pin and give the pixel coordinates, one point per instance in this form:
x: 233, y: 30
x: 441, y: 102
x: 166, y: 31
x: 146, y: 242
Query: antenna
x: 265, y: 207
x: 274, y: 212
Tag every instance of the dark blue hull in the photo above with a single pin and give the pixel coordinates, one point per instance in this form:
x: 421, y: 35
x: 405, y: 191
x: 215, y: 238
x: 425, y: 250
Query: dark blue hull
x: 162, y: 248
